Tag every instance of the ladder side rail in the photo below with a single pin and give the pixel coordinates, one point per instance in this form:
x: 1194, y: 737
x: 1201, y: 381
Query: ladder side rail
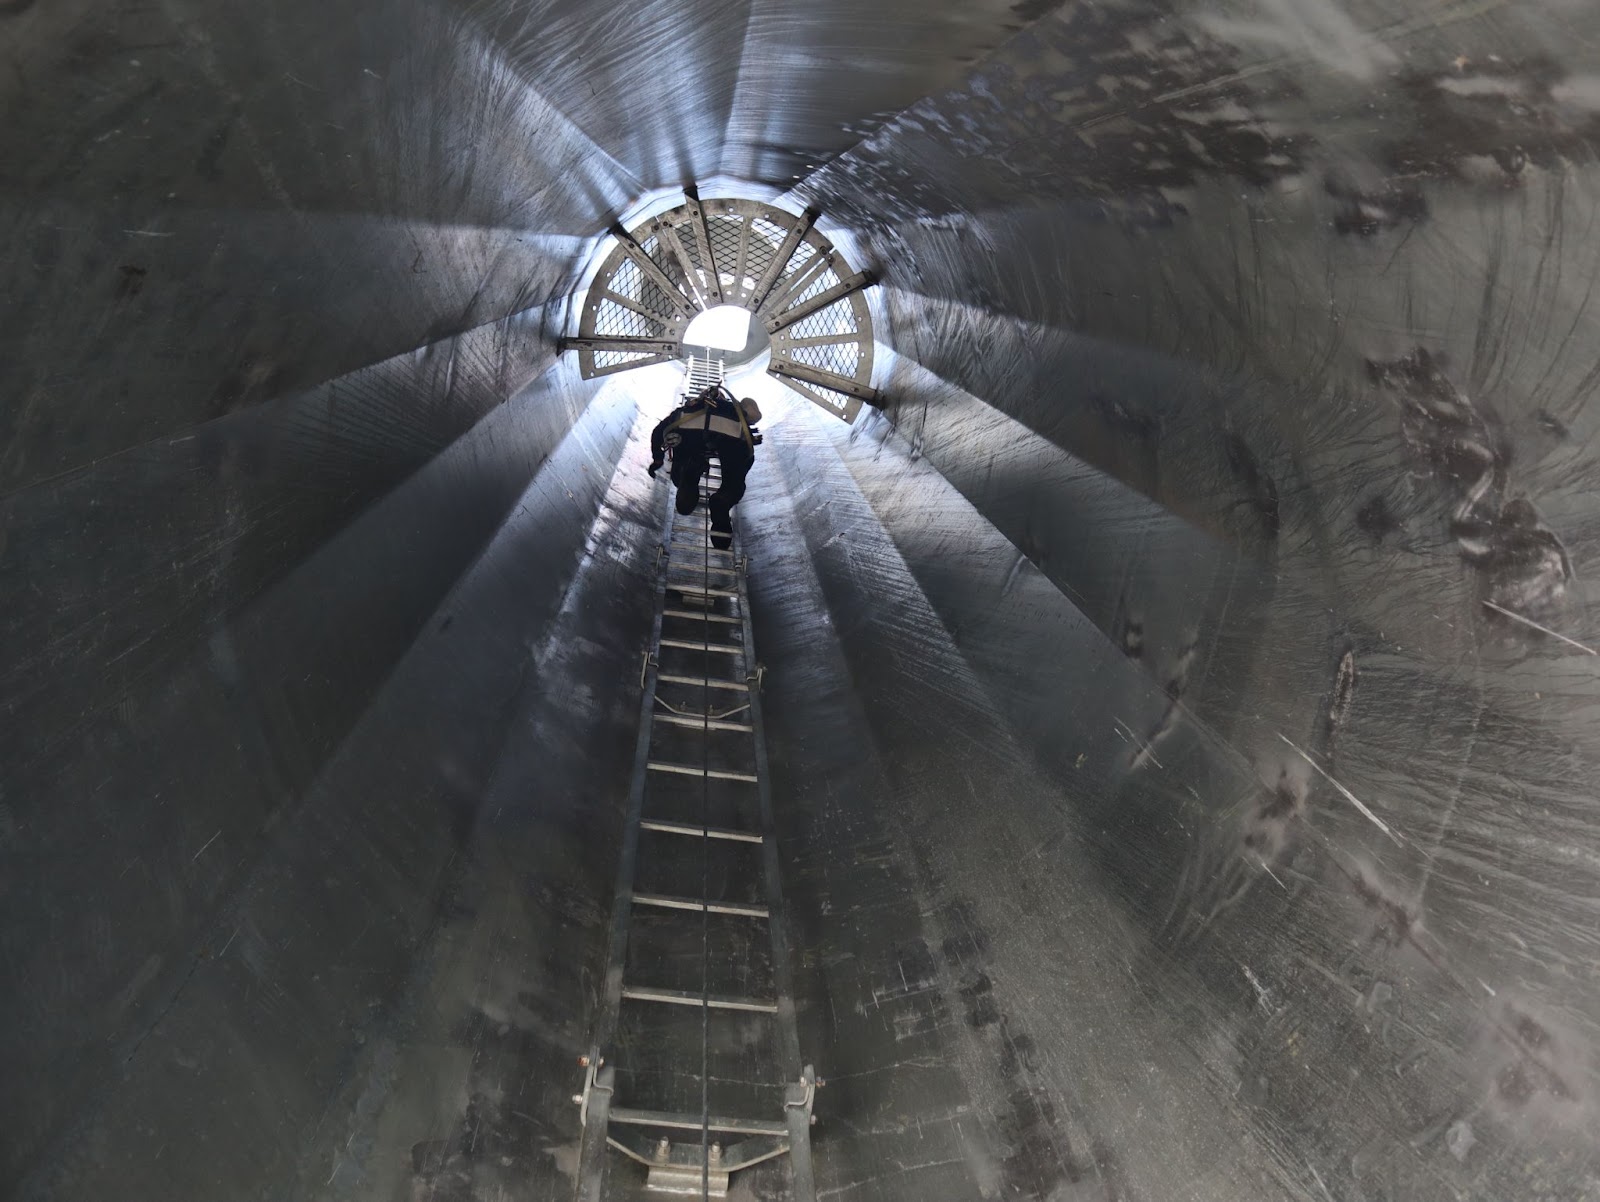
x: 803, y: 1177
x: 592, y: 1157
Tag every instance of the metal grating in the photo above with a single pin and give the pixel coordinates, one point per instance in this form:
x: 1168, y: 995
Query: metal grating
x: 838, y: 318
x: 837, y: 400
x: 726, y: 235
x: 760, y: 258
x: 765, y: 238
x: 627, y: 280
x: 816, y: 288
x: 631, y: 282
x: 834, y: 402
x: 663, y: 258
x: 603, y: 359
x: 659, y: 254
x: 766, y: 229
x: 841, y: 358
x: 803, y: 254
x: 691, y: 246
x: 628, y: 301
x: 654, y: 299
x: 615, y: 321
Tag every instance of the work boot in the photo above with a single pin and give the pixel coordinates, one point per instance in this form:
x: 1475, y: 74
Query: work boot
x: 721, y: 526
x: 688, y: 497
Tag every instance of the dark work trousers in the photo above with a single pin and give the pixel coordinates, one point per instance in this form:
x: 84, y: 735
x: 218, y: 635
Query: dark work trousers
x: 690, y: 459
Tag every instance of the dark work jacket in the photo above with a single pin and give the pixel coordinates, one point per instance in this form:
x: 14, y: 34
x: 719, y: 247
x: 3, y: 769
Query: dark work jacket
x: 718, y: 425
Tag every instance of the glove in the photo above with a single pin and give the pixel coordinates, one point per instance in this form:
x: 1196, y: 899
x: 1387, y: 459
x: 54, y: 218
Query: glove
x: 655, y: 466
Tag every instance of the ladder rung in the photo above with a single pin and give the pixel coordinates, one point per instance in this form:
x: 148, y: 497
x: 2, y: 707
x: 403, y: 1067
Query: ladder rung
x: 670, y: 678
x: 693, y: 723
x: 701, y: 617
x: 691, y: 770
x: 662, y: 827
x: 699, y: 540
x: 703, y: 569
x: 666, y: 901
x: 693, y: 1122
x: 693, y: 594
x: 682, y: 997
x: 686, y: 645
x: 700, y: 590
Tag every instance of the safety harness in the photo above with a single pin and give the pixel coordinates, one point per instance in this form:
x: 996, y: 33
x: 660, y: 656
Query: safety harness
x: 706, y: 412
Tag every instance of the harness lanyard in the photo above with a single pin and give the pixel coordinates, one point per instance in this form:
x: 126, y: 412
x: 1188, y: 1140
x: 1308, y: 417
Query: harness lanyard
x: 705, y: 426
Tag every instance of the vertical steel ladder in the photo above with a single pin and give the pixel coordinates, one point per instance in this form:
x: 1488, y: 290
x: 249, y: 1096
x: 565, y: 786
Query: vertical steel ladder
x: 703, y: 371
x: 700, y: 732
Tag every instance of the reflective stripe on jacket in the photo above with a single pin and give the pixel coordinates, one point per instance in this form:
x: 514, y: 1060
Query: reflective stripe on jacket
x: 697, y: 416
x: 713, y: 422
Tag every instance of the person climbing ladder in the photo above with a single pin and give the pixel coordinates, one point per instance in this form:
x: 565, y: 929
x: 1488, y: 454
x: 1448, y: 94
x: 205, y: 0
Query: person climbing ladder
x: 712, y: 423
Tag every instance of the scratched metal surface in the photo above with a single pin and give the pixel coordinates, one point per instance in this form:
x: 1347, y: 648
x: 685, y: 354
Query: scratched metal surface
x: 1007, y: 1033
x: 204, y: 206
x: 1195, y: 943
x: 1265, y: 337
x: 211, y: 206
x: 275, y: 325
x: 814, y: 79
x: 209, y: 941
x: 755, y: 90
x: 1179, y: 797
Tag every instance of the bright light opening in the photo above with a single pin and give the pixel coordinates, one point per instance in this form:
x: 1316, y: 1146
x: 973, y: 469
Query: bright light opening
x: 724, y: 328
